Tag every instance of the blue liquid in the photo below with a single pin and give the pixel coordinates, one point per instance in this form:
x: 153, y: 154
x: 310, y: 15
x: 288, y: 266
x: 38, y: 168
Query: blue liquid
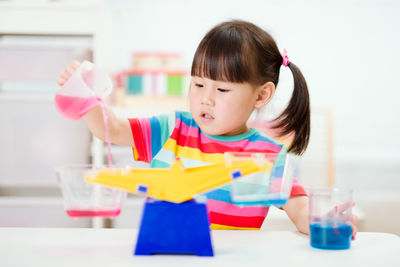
x: 275, y: 202
x: 330, y: 237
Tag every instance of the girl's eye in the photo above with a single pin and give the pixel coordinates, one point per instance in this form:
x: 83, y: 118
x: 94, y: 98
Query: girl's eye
x: 223, y: 90
x: 198, y: 85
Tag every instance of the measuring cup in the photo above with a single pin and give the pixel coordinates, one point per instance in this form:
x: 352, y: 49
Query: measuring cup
x: 83, y: 199
x: 83, y: 91
x: 272, y: 186
x: 330, y: 218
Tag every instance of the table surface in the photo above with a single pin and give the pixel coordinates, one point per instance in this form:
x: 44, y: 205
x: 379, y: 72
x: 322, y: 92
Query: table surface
x: 114, y: 247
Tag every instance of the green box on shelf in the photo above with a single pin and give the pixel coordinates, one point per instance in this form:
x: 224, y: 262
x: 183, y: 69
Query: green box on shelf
x: 175, y: 84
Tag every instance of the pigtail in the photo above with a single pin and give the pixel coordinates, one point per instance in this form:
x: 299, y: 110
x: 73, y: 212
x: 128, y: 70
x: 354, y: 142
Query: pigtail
x: 296, y: 117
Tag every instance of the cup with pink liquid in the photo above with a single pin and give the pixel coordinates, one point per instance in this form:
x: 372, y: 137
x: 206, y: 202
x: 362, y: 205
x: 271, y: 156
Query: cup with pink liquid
x: 84, y: 90
x: 82, y: 199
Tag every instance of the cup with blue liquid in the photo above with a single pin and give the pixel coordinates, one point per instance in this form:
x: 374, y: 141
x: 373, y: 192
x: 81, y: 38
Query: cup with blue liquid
x: 330, y: 212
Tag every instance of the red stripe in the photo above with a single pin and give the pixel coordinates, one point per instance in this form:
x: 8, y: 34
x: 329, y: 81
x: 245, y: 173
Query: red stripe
x: 138, y: 139
x: 297, y: 190
x: 193, y: 142
x: 236, y: 221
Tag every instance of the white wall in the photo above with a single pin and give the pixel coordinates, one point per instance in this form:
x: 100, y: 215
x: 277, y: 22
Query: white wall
x: 347, y: 51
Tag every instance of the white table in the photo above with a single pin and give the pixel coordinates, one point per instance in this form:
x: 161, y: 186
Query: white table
x: 114, y: 247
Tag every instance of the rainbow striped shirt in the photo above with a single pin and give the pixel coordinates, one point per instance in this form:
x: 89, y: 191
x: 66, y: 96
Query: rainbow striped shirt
x: 158, y: 140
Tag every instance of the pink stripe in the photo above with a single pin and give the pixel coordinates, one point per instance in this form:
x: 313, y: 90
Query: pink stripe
x: 231, y: 209
x: 186, y: 130
x: 194, y: 132
x: 146, y: 130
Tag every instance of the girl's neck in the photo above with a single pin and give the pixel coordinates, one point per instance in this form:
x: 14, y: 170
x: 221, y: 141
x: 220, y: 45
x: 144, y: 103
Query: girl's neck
x: 232, y: 138
x: 239, y: 131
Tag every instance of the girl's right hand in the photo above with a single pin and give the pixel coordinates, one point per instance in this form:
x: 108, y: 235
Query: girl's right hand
x: 67, y: 72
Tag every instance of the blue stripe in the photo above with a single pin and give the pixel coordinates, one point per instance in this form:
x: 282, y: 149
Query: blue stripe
x: 155, y: 136
x: 164, y: 133
x: 186, y: 118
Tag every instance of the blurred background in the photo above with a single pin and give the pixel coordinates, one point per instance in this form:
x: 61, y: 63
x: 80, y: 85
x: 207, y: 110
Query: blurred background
x: 347, y: 51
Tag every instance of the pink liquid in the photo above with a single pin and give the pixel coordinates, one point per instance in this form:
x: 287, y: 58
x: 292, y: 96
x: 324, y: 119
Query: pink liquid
x: 93, y: 213
x: 107, y: 132
x: 73, y: 107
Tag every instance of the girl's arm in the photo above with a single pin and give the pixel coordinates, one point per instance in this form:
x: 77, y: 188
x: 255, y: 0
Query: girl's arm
x: 120, y: 129
x: 297, y: 210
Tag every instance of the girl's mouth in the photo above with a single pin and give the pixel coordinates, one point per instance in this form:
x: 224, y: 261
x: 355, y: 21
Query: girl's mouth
x: 206, y: 116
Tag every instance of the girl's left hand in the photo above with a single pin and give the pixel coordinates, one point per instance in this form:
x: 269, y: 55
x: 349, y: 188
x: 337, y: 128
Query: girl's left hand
x: 341, y: 212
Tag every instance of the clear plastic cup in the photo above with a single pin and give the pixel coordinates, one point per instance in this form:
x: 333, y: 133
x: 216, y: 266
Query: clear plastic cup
x: 83, y: 91
x: 330, y: 211
x: 269, y: 187
x: 82, y: 199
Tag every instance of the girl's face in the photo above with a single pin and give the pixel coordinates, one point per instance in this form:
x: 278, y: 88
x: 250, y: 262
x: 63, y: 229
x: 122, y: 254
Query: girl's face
x: 221, y: 108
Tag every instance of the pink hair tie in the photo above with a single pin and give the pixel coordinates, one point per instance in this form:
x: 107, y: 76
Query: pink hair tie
x: 285, y: 61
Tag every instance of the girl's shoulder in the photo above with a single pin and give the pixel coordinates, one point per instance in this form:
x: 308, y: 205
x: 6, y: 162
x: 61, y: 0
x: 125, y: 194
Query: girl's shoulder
x: 260, y: 142
x: 262, y: 137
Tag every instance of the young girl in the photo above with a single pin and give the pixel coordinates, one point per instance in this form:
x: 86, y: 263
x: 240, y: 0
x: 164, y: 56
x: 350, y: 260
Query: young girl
x: 235, y: 71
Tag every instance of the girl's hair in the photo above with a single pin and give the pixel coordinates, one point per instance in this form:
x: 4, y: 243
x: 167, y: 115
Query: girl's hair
x: 240, y: 52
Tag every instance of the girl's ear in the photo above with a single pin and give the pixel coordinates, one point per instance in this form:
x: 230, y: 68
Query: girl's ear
x: 264, y: 94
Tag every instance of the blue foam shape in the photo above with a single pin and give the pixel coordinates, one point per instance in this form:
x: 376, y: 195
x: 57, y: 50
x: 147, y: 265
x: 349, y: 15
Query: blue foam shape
x: 142, y: 188
x: 236, y: 174
x: 170, y: 228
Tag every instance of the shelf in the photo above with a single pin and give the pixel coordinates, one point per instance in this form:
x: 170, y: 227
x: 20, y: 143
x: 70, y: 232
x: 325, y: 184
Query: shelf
x: 27, y: 183
x: 138, y: 106
x: 15, y: 14
x: 31, y: 201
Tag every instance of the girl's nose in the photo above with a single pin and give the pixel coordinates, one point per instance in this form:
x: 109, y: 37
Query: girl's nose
x: 208, y: 98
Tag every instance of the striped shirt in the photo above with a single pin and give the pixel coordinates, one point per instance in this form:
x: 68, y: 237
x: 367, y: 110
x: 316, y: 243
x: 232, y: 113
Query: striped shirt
x: 160, y: 139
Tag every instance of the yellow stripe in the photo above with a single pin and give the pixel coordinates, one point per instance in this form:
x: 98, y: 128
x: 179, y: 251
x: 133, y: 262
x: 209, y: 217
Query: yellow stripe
x: 135, y: 153
x: 226, y: 227
x: 193, y: 153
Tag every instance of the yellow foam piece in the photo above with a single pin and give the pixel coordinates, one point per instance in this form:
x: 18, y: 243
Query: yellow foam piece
x: 176, y: 184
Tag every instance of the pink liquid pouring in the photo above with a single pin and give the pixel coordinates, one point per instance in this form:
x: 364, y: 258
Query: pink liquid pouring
x: 73, y: 107
x: 107, y: 132
x: 93, y: 213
